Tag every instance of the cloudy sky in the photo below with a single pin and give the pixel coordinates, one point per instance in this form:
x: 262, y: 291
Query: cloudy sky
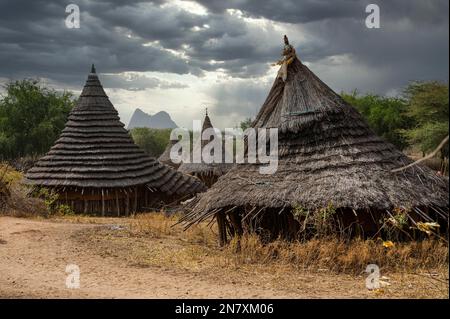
x: 182, y: 56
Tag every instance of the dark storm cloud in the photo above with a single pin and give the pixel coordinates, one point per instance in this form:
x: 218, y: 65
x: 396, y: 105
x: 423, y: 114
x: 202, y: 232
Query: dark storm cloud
x: 411, y: 44
x: 292, y: 11
x: 219, y: 37
x: 303, y: 11
x: 35, y: 42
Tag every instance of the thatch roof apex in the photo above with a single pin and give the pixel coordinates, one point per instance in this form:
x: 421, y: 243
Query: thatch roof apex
x: 206, y: 122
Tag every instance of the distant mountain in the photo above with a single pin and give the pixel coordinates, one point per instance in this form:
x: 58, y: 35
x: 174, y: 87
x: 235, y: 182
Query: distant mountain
x: 159, y: 120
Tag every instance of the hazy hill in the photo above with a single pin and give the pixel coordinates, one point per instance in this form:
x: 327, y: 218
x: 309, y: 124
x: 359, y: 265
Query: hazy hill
x: 159, y: 120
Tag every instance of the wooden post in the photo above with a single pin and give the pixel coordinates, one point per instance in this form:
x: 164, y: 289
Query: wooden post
x: 103, y: 204
x: 127, y: 204
x: 292, y: 226
x: 222, y: 228
x: 117, y: 203
x: 85, y: 206
x: 237, y: 223
x: 135, y: 199
x: 145, y: 196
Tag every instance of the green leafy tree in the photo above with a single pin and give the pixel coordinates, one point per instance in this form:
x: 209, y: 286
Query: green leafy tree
x: 245, y: 124
x: 152, y: 141
x: 387, y: 116
x: 428, y: 105
x: 31, y: 118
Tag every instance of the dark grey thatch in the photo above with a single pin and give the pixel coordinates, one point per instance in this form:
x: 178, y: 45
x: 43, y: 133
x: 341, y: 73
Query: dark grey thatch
x: 207, y: 172
x: 95, y: 160
x: 165, y: 156
x: 327, y: 154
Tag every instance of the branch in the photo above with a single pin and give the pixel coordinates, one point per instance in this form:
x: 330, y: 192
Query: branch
x: 444, y: 141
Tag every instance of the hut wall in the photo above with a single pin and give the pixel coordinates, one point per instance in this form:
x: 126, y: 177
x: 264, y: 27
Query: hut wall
x: 271, y: 224
x: 109, y: 201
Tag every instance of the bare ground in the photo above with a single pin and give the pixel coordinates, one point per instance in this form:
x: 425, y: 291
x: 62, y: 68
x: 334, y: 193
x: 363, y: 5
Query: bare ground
x: 34, y: 255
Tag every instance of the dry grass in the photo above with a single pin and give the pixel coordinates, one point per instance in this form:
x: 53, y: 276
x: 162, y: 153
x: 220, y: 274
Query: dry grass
x: 158, y: 225
x: 341, y: 257
x: 326, y: 253
x: 9, y: 175
x: 17, y: 202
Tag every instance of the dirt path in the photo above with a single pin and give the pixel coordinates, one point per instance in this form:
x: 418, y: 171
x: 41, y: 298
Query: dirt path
x: 34, y: 255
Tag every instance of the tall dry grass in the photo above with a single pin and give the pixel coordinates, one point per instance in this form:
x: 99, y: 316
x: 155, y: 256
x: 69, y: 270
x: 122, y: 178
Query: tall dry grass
x: 327, y: 253
x: 159, y: 225
x: 341, y: 257
x: 15, y: 199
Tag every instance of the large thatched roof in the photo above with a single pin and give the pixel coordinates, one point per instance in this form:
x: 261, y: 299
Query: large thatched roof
x: 203, y: 168
x: 95, y: 151
x: 327, y: 154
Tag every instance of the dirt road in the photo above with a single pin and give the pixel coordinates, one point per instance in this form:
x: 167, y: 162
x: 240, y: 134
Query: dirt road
x: 34, y: 255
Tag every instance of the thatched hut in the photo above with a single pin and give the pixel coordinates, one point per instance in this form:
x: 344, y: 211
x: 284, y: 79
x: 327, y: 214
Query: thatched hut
x: 207, y: 172
x: 95, y: 166
x: 330, y: 163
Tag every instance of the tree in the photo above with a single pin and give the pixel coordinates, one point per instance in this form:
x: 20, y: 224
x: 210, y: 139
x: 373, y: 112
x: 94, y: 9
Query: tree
x: 428, y: 106
x: 245, y: 124
x: 387, y: 116
x: 152, y: 141
x: 31, y: 118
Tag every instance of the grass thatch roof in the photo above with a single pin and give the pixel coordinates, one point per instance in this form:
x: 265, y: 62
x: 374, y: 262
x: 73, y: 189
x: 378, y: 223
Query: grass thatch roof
x: 95, y: 150
x: 327, y: 154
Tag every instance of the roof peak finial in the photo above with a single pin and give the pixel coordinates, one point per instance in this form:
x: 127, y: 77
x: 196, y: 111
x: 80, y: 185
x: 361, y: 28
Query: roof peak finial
x: 93, y: 68
x: 206, y: 111
x: 286, y: 40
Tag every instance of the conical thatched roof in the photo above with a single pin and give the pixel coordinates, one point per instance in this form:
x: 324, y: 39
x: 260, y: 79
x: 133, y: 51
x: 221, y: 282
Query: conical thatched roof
x: 205, y: 169
x: 95, y: 151
x: 327, y: 154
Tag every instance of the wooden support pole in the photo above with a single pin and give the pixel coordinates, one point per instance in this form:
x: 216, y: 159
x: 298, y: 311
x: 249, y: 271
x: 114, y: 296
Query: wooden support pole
x: 103, y: 203
x: 237, y: 223
x: 135, y: 207
x: 146, y: 196
x: 127, y: 204
x: 221, y: 223
x: 117, y: 204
